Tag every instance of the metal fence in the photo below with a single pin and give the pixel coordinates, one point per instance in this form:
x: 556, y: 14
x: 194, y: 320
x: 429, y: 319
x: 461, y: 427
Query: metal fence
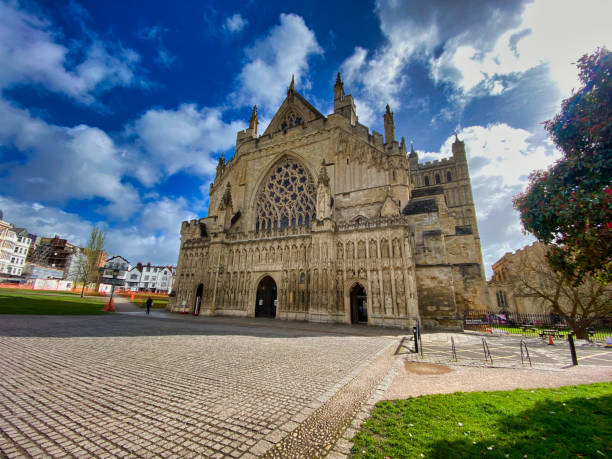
x: 535, y: 325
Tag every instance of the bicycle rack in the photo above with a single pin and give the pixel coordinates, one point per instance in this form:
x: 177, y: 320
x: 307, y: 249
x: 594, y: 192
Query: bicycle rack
x: 526, y: 352
x: 487, y: 352
x: 453, y: 350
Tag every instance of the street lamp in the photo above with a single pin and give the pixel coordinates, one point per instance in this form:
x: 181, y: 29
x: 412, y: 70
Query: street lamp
x: 110, y: 307
x: 115, y: 274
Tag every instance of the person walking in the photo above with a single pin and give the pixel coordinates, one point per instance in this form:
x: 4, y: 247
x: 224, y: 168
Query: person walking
x: 149, y: 304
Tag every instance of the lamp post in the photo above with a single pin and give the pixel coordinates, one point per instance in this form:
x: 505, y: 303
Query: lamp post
x: 115, y: 274
x: 110, y: 307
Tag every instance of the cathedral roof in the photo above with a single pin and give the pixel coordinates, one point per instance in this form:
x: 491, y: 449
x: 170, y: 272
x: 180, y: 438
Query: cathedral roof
x: 294, y: 110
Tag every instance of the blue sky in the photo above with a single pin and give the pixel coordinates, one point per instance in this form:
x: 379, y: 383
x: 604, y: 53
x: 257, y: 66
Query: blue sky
x: 115, y: 113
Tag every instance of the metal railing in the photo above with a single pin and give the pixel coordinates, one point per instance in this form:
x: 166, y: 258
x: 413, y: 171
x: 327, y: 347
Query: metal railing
x: 533, y: 325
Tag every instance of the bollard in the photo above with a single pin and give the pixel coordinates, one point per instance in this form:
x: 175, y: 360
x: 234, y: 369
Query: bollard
x: 570, y: 339
x: 416, y: 339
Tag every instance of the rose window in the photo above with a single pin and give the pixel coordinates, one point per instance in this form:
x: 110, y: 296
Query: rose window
x: 286, y: 198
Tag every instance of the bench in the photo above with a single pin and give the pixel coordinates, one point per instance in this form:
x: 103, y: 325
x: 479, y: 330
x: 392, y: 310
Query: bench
x: 553, y: 333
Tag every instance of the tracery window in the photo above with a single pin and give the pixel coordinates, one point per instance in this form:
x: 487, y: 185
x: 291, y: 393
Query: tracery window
x: 291, y: 119
x: 286, y: 198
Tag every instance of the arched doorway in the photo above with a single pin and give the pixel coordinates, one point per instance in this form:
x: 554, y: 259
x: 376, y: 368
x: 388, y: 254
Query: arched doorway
x: 198, y: 300
x: 359, y: 305
x: 265, y: 303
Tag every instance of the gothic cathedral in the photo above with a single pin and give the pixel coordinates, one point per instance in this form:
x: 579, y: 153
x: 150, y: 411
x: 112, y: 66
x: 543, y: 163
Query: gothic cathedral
x: 318, y: 219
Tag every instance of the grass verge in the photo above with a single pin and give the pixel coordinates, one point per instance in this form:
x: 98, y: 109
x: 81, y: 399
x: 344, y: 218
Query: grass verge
x: 158, y: 303
x: 571, y: 421
x: 30, y: 303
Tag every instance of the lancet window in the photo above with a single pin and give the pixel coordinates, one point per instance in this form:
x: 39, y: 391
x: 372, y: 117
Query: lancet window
x: 286, y: 198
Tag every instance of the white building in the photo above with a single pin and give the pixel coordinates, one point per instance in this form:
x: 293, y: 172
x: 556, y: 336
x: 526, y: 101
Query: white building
x: 121, y: 266
x: 14, y: 245
x: 149, y: 278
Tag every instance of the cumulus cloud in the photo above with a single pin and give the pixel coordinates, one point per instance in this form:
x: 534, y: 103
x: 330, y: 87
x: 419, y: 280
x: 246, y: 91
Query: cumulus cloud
x: 154, y: 236
x: 540, y: 38
x: 63, y: 163
x: 181, y: 139
x: 271, y: 62
x: 235, y: 23
x: 30, y: 53
x: 478, y: 47
x: 418, y: 30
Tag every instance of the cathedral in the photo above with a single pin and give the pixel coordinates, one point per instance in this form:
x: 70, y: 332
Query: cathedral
x: 320, y: 219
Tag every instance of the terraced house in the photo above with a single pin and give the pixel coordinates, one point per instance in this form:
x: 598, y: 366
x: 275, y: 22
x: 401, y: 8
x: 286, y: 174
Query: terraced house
x: 320, y: 219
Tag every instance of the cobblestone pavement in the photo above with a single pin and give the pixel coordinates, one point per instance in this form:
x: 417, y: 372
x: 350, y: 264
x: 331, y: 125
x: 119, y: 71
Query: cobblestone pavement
x: 131, y: 385
x: 505, y: 351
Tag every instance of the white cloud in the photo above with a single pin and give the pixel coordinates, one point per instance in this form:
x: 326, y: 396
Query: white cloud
x: 165, y: 215
x: 154, y: 237
x: 235, y: 23
x: 30, y: 53
x: 477, y: 46
x: 64, y: 163
x: 541, y: 38
x: 272, y: 61
x: 182, y: 139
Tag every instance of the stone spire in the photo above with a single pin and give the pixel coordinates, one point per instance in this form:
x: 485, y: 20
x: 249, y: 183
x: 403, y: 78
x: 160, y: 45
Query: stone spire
x: 403, y: 145
x: 459, y: 148
x: 253, y: 122
x: 413, y: 153
x: 291, y: 85
x: 389, y: 127
x: 338, y: 88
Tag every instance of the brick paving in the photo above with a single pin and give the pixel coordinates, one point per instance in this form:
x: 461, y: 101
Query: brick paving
x: 122, y: 385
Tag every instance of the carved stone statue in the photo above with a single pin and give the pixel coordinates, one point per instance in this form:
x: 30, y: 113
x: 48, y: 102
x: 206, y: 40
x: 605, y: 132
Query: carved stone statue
x: 323, y: 194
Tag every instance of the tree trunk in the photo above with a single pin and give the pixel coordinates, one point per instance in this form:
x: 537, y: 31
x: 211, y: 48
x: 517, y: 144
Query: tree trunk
x: 581, y: 332
x: 82, y: 289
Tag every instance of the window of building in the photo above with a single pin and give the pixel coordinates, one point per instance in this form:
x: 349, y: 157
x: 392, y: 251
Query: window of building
x: 286, y: 198
x: 449, y: 176
x: 302, y: 278
x: 426, y: 180
x: 437, y: 178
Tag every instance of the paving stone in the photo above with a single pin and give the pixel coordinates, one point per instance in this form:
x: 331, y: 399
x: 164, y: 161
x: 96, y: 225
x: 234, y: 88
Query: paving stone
x: 111, y: 386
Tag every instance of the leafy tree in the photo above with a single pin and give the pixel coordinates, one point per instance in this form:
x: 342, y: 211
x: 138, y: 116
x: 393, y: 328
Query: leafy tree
x: 570, y: 205
x: 89, y: 258
x: 581, y: 305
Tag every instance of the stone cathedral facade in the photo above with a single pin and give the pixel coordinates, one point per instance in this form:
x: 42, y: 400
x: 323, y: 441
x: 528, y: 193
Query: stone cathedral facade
x: 318, y: 219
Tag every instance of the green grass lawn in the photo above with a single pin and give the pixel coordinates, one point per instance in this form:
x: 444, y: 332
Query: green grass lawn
x: 157, y: 302
x: 20, y: 302
x: 571, y: 421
